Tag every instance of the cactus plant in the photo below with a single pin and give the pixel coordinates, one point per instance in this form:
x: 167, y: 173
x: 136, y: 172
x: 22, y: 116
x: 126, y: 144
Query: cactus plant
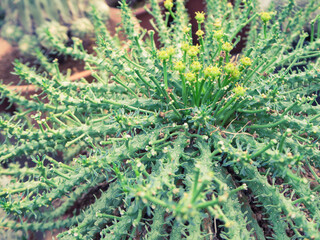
x: 172, y: 143
x: 33, y: 17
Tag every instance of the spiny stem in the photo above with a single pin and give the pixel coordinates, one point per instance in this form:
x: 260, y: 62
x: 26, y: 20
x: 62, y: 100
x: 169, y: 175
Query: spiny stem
x: 259, y: 152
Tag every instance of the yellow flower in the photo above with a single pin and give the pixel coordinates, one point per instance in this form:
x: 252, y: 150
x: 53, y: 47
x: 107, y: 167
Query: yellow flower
x: 168, y: 4
x: 171, y: 51
x: 196, y: 66
x: 186, y: 29
x: 227, y: 47
x: 246, y: 61
x: 200, y: 33
x: 235, y: 73
x: 212, y: 72
x: 266, y: 16
x: 163, y: 55
x: 185, y: 46
x: 218, y: 34
x: 179, y: 66
x: 239, y: 90
x: 190, y: 76
x: 231, y: 69
x: 200, y: 16
x: 193, y: 51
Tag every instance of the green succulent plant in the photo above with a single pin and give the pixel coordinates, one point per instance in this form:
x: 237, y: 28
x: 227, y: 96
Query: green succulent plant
x: 186, y: 141
x: 23, y: 18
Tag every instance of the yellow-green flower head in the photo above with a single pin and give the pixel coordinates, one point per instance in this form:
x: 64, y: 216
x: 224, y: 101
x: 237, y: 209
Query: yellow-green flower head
x: 163, y: 55
x: 218, y: 34
x: 171, y: 51
x: 168, y: 4
x: 231, y: 69
x: 212, y: 72
x: 200, y: 33
x: 190, y: 76
x: 246, y: 61
x: 185, y: 46
x: 239, y: 90
x: 186, y: 29
x: 235, y: 73
x: 196, y: 66
x: 193, y: 51
x: 266, y: 16
x: 179, y: 66
x: 200, y: 17
x: 227, y: 47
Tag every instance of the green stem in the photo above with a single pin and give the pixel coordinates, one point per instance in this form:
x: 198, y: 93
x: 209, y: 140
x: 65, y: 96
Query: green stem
x: 172, y: 14
x: 226, y: 106
x: 313, y: 172
x: 230, y: 112
x: 282, y: 141
x: 127, y: 106
x: 227, y: 57
x: 252, y: 73
x: 133, y: 63
x: 312, y: 32
x: 60, y: 174
x: 252, y: 111
x: 142, y: 78
x: 267, y: 125
x: 241, y: 26
x: 184, y: 89
x: 60, y: 164
x: 103, y: 215
x: 300, y: 138
x: 300, y: 200
x: 167, y: 18
x: 18, y: 190
x: 217, y: 96
x: 314, y: 117
x: 156, y: 200
x: 233, y: 191
x: 318, y: 32
x: 196, y: 192
x: 68, y: 144
x: 207, y: 93
x: 256, y: 154
x: 165, y: 74
x: 289, y: 108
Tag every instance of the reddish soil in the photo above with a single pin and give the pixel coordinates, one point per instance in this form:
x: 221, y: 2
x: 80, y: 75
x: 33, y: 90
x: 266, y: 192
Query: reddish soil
x: 7, y: 55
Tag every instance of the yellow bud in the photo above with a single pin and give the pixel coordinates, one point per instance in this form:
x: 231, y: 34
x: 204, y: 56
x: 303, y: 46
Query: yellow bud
x: 246, y: 61
x: 193, y: 51
x: 239, y: 90
x: 227, y: 47
x: 190, y: 76
x: 200, y: 16
x: 168, y: 4
x: 200, y: 33
x: 266, y: 16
